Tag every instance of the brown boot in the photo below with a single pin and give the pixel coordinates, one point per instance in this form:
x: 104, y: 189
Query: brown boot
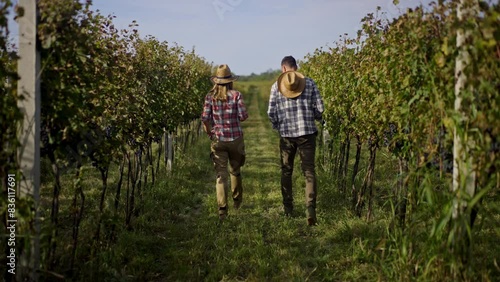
x: 311, y: 216
x: 312, y: 221
x: 222, y: 213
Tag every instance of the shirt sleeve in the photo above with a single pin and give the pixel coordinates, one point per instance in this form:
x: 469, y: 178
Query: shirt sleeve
x: 206, y: 115
x: 242, y: 110
x: 318, y: 103
x: 271, y: 110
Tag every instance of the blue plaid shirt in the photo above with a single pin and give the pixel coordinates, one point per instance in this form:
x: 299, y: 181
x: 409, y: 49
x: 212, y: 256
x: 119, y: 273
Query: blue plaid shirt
x: 295, y: 117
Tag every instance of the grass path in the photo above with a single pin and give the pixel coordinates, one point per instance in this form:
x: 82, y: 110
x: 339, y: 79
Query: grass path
x: 261, y: 171
x: 178, y: 238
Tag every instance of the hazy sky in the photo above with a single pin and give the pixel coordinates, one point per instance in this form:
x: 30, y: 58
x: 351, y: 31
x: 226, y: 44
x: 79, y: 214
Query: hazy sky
x: 248, y: 35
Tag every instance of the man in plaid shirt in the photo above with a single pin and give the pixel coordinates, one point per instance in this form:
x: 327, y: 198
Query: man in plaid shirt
x: 294, y: 105
x: 223, y: 112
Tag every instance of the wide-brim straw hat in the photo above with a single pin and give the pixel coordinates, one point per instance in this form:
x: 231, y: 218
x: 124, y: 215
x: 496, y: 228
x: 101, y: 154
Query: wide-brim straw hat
x: 291, y: 84
x: 223, y: 75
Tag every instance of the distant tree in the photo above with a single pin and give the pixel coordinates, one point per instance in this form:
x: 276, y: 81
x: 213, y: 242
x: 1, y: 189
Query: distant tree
x: 270, y: 74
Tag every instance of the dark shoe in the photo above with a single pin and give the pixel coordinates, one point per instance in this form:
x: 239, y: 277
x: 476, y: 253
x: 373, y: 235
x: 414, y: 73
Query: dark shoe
x: 236, y: 204
x: 288, y: 211
x: 312, y: 221
x: 222, y: 213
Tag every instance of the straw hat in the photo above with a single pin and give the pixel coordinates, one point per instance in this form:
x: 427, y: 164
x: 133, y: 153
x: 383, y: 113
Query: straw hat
x: 291, y: 84
x: 223, y: 75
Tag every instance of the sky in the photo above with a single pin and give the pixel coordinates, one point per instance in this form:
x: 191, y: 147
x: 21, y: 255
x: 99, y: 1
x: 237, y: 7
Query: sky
x: 251, y: 36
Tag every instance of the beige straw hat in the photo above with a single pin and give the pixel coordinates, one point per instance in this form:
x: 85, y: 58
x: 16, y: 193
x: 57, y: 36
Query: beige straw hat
x: 291, y: 84
x: 223, y: 75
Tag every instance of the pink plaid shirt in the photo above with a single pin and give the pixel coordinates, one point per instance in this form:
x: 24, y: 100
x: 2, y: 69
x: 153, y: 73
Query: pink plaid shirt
x: 225, y: 116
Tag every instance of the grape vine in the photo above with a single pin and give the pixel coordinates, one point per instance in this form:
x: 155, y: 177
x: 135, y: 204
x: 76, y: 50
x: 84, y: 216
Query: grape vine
x: 392, y: 88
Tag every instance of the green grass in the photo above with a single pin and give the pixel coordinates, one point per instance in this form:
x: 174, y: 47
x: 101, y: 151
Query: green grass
x: 255, y: 243
x: 178, y: 237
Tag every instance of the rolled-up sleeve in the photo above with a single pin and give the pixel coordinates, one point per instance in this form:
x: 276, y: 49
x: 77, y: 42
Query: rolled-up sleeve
x: 271, y: 110
x: 242, y: 110
x: 206, y: 115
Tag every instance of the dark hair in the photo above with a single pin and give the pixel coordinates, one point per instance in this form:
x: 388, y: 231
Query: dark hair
x: 289, y: 61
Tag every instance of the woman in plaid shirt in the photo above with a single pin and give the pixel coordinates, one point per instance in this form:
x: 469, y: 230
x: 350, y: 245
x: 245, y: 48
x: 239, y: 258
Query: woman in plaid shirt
x: 294, y: 105
x: 223, y: 112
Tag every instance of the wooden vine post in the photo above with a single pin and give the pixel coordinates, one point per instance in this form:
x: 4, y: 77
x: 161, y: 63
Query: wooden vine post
x: 169, y: 151
x: 29, y: 135
x: 464, y: 176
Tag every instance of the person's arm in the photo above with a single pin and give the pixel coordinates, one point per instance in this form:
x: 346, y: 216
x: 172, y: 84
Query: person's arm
x: 318, y: 103
x: 206, y: 116
x: 242, y: 110
x: 271, y: 110
x: 207, y: 127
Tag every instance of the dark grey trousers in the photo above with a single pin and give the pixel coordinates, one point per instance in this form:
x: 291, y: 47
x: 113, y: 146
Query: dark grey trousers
x: 306, y: 147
